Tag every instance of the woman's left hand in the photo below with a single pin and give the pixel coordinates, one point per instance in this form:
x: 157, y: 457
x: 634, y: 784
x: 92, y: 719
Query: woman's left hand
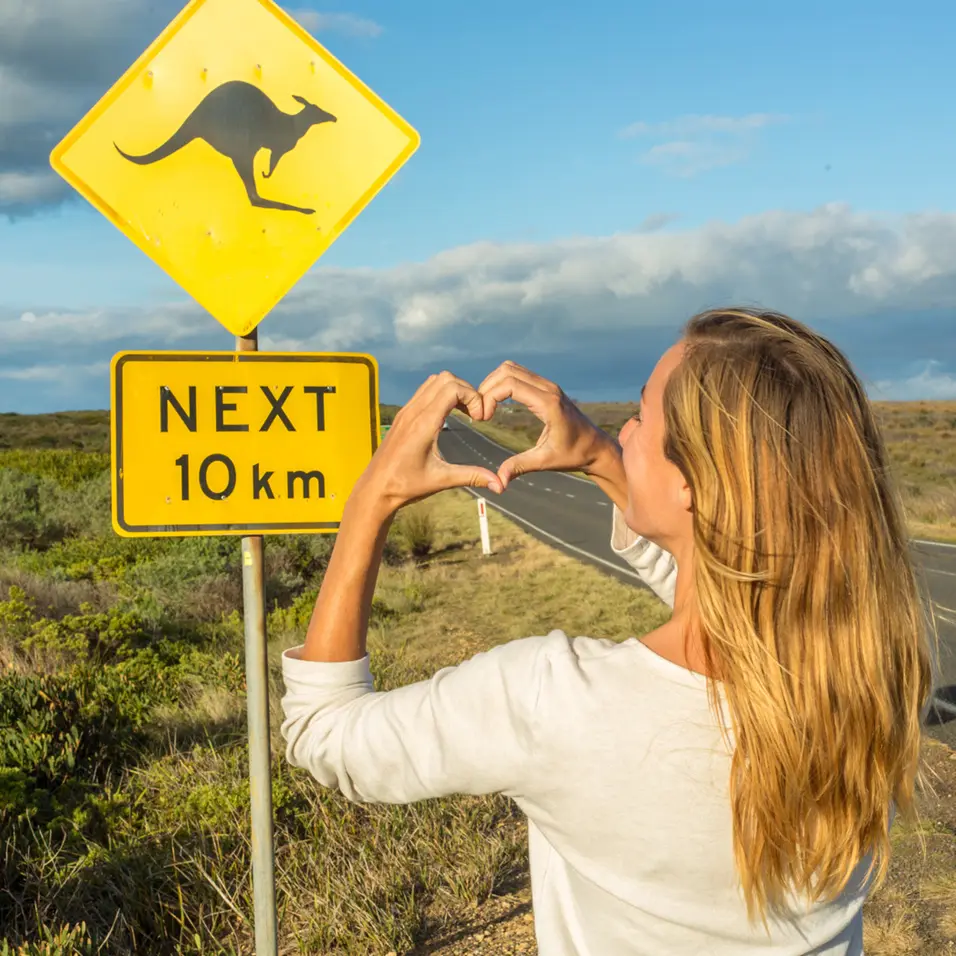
x: 408, y: 466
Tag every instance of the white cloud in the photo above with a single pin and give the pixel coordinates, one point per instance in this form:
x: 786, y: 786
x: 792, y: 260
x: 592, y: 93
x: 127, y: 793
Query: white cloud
x: 694, y: 144
x: 584, y: 301
x: 694, y: 125
x: 685, y: 159
x: 657, y: 220
x: 60, y: 374
x: 346, y: 23
x: 29, y: 188
x: 929, y: 384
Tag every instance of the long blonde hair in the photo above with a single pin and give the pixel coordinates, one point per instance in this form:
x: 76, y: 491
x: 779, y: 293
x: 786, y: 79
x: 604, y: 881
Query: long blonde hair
x: 809, y: 608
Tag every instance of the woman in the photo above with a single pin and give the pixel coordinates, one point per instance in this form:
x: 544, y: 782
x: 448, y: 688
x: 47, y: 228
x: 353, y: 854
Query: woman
x: 724, y: 785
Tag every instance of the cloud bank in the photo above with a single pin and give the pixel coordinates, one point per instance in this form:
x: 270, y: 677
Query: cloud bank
x: 594, y: 313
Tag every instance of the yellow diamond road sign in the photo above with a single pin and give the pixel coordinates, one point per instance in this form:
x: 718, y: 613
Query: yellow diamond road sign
x: 239, y: 442
x: 234, y: 152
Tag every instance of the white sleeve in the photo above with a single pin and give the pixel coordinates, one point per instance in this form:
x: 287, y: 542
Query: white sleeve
x: 657, y: 567
x: 470, y: 729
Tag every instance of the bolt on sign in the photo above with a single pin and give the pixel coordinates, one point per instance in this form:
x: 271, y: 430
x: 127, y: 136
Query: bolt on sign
x: 234, y: 152
x: 239, y: 442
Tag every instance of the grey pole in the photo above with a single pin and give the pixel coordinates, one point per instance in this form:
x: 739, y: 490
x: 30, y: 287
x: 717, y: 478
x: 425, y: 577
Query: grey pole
x: 257, y: 705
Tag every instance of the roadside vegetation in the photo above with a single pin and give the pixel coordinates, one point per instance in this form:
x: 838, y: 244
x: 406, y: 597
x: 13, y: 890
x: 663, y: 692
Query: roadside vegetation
x: 124, y: 817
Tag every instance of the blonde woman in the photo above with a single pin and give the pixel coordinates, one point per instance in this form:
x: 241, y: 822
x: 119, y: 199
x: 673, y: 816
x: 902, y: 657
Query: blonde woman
x: 725, y: 784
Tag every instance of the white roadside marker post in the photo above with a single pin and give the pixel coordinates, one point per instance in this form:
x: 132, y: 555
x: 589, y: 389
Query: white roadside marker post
x: 483, y: 524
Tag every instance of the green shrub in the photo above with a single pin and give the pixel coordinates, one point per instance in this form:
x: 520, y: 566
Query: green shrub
x: 55, y: 728
x: 67, y: 941
x: 415, y: 529
x: 72, y: 430
x: 78, y: 558
x: 24, y: 521
x: 70, y: 469
x: 84, y: 508
x: 293, y: 618
x: 50, y: 644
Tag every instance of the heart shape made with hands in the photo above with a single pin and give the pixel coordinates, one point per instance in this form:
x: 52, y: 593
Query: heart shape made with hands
x: 569, y: 440
x: 409, y: 466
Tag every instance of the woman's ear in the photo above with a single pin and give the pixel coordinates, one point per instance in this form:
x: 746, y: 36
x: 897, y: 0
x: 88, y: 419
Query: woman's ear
x: 686, y: 497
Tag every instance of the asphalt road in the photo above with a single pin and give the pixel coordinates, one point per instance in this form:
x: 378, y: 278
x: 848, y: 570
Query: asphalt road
x: 574, y: 516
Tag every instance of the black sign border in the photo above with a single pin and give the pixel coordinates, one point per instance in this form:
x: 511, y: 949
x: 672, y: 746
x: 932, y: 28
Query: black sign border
x: 231, y: 358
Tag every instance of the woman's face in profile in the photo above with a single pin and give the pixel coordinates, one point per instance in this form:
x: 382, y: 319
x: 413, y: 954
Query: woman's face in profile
x: 658, y: 499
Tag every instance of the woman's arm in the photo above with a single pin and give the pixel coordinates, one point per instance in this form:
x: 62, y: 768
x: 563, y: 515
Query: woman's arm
x: 339, y: 625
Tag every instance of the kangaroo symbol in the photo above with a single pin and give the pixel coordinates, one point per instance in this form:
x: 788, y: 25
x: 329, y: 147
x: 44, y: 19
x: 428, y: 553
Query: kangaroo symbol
x: 237, y: 119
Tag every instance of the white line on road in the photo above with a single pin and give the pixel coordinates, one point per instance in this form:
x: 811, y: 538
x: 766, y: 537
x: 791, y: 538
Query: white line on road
x: 554, y: 537
x: 934, y: 544
x: 949, y: 574
x: 568, y: 496
x: 944, y: 705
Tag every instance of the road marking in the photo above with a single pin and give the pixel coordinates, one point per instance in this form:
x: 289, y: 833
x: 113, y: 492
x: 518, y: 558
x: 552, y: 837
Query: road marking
x: 603, y: 504
x: 547, y: 489
x: 944, y: 705
x: 561, y: 541
x: 568, y: 496
x: 949, y: 574
x: 934, y: 544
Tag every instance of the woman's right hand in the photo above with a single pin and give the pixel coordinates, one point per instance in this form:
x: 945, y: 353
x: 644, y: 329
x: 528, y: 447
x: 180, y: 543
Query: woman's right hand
x: 569, y: 441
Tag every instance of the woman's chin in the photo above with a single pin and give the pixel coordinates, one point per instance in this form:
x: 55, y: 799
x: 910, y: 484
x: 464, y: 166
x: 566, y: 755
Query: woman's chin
x: 632, y: 523
x: 641, y: 527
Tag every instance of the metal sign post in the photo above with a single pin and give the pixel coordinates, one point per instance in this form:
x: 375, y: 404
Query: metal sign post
x: 260, y: 738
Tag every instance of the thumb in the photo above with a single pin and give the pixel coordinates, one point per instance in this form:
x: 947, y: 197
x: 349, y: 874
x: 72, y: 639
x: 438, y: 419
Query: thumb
x: 530, y: 460
x: 471, y: 476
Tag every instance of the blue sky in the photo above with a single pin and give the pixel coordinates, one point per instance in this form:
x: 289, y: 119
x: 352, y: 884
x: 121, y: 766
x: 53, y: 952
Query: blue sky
x: 588, y: 177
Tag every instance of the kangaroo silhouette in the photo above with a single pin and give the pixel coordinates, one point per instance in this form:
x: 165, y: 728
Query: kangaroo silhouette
x: 237, y: 120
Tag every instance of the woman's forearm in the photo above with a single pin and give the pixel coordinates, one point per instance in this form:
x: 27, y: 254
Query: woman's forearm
x: 608, y: 473
x: 339, y: 624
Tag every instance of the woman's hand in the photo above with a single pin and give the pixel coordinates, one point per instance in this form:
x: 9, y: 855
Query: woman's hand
x: 569, y: 441
x: 407, y: 466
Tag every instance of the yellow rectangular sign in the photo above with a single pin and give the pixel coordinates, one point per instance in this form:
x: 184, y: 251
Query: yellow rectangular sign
x: 211, y: 443
x: 234, y: 152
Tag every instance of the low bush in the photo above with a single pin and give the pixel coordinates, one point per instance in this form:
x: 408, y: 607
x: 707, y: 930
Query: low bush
x: 69, y: 469
x: 416, y: 529
x: 66, y: 941
x: 25, y: 522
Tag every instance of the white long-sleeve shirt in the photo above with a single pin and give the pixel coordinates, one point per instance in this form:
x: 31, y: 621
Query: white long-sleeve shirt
x: 612, y: 753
